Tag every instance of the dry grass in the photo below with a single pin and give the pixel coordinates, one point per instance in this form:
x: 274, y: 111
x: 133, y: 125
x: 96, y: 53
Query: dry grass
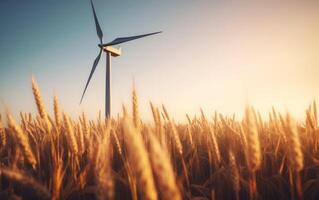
x: 211, y: 157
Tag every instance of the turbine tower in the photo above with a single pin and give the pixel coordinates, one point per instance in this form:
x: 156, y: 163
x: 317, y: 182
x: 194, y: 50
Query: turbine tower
x: 110, y: 52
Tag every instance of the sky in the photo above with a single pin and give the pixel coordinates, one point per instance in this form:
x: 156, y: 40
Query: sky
x: 214, y: 55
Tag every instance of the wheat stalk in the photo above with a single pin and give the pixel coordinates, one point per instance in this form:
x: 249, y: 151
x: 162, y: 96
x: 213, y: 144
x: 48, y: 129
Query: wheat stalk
x: 295, y: 154
x: 153, y: 109
x: 315, y: 114
x: 117, y: 142
x: 190, y: 137
x: 80, y: 139
x: 207, y: 128
x: 86, y: 129
x: 234, y: 174
x: 3, y: 137
x: 177, y: 140
x: 70, y: 134
x: 253, y: 153
x: 165, y: 113
x: 22, y: 140
x: 30, y: 188
x: 23, y: 121
x: 102, y: 167
x: 163, y: 171
x: 138, y: 157
x: 160, y: 128
x: 124, y: 110
x: 253, y: 147
x: 214, y: 142
x: 57, y: 176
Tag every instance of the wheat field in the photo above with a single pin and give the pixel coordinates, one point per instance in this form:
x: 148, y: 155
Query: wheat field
x: 209, y: 157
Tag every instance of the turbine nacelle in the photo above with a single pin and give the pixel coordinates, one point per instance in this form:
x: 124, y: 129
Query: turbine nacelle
x: 112, y: 50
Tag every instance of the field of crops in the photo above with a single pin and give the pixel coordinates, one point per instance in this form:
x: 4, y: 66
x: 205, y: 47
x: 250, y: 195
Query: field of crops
x: 209, y: 157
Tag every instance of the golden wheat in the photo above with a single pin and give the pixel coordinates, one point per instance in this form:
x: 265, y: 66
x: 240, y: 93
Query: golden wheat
x: 70, y: 134
x: 253, y: 147
x: 163, y: 171
x: 139, y: 158
x: 22, y: 140
x: 57, y: 113
x: 102, y: 167
x: 295, y: 155
x: 234, y: 174
x: 40, y: 104
x: 136, y: 118
x: 57, y: 176
x: 205, y: 158
x: 3, y: 137
x: 24, y: 182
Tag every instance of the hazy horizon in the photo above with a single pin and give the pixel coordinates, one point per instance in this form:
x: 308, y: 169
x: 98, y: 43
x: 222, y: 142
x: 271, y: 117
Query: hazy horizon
x: 212, y: 55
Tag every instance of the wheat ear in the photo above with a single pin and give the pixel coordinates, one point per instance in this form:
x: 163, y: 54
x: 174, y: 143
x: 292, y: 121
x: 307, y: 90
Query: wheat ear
x: 70, y: 134
x: 136, y: 117
x: 57, y: 113
x: 40, y: 105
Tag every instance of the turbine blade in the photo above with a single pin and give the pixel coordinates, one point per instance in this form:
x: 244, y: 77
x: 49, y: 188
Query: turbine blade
x: 126, y: 39
x: 98, y: 28
x: 96, y: 61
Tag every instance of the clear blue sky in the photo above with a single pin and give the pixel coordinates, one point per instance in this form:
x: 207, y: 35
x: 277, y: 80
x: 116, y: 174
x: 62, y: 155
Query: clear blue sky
x: 212, y: 54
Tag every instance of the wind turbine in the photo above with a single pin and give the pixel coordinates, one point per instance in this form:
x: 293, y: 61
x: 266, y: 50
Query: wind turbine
x: 110, y: 52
